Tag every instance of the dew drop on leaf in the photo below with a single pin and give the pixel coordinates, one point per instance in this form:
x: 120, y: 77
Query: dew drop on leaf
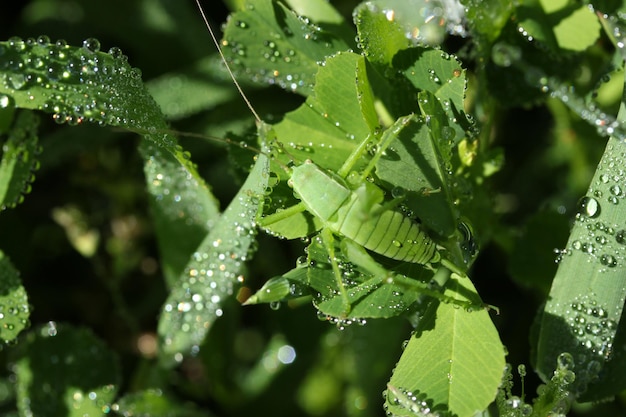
x: 6, y: 101
x: 92, y: 44
x: 589, y: 207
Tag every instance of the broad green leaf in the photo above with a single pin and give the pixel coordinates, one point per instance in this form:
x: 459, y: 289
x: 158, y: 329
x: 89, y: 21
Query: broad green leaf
x: 192, y: 90
x: 183, y: 207
x: 417, y: 21
x: 82, y: 84
x: 154, y: 402
x: 336, y: 118
x: 453, y: 362
x: 585, y: 306
x: 442, y: 75
x: 326, y: 129
x: 414, y: 160
x: 15, y: 310
x: 213, y: 271
x: 379, y: 37
x: 66, y: 372
x: 269, y: 43
x: 486, y: 18
x: 19, y: 160
x: 559, y: 24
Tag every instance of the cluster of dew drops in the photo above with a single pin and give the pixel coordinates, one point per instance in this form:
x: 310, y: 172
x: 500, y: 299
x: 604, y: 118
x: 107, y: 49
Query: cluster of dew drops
x: 60, y: 73
x: 273, y: 52
x: 602, y: 241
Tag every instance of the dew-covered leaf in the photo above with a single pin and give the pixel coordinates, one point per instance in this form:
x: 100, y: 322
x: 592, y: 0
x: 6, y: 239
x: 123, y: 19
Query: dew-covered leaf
x: 154, y: 402
x: 453, y: 362
x: 588, y: 291
x: 442, y: 75
x: 183, y: 207
x: 213, y: 271
x: 65, y: 371
x: 270, y: 44
x: 14, y: 307
x: 326, y: 129
x: 379, y: 37
x: 586, y: 302
x: 82, y: 84
x: 19, y: 160
x: 334, y: 120
x: 414, y: 160
x: 386, y: 26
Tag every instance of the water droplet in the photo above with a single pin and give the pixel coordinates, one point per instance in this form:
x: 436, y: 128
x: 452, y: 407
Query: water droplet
x: 6, y: 101
x: 91, y: 44
x: 398, y: 192
x: 505, y: 55
x: 565, y: 361
x: 275, y: 305
x: 589, y: 207
x: 608, y: 260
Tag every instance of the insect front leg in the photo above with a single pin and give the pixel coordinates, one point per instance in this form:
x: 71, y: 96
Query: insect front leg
x: 329, y: 244
x: 434, y: 289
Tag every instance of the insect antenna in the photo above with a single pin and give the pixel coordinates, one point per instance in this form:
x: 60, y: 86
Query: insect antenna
x: 230, y: 72
x: 261, y: 125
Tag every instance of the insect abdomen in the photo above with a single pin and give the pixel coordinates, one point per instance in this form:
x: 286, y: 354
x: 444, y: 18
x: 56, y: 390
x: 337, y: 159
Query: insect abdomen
x: 386, y: 232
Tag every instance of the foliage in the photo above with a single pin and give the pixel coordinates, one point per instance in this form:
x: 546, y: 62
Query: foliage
x: 410, y: 155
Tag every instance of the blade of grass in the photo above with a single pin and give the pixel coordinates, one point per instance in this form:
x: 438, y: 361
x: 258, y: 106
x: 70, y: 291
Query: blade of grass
x: 583, y: 313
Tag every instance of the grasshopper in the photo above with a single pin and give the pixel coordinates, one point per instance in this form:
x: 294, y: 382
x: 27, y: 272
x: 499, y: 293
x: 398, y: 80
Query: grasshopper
x: 345, y: 206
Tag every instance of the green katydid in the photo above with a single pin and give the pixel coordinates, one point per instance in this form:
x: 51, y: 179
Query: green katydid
x: 346, y: 205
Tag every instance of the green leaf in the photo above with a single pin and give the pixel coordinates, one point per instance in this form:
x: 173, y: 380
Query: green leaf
x: 154, y: 402
x: 334, y: 120
x: 15, y: 310
x: 379, y: 37
x: 190, y: 91
x: 582, y: 315
x: 7, y: 113
x: 65, y: 371
x: 85, y: 85
x: 19, y: 160
x: 326, y: 129
x: 559, y: 24
x: 269, y: 43
x: 442, y: 75
x: 214, y: 269
x: 183, y: 207
x: 414, y: 160
x: 453, y: 362
x: 486, y: 18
